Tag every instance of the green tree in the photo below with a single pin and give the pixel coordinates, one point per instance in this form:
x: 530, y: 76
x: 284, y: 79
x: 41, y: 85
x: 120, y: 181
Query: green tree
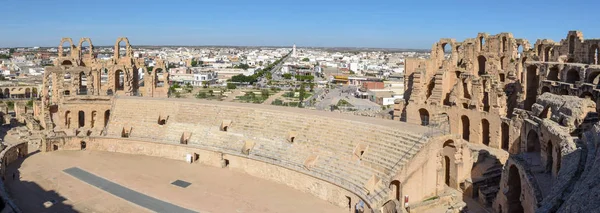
x: 210, y: 92
x: 11, y: 50
x: 30, y: 103
x: 231, y: 86
x: 242, y: 66
x: 302, y: 93
x: 205, y: 84
x: 305, y: 59
x: 194, y: 63
x: 287, y: 76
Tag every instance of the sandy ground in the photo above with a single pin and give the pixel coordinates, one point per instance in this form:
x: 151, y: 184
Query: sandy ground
x: 40, y: 178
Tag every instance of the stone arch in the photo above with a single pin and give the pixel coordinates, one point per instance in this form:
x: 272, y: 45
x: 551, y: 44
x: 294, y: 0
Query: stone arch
x: 446, y: 48
x: 587, y: 95
x: 594, y: 77
x: 553, y: 74
x: 7, y: 93
x: 396, y: 188
x: 533, y: 142
x: 82, y: 145
x: 572, y: 76
x: 61, y: 51
x: 519, y: 50
x: 424, y: 116
x: 545, y: 89
x: 532, y: 86
x: 594, y: 54
x: 82, y: 84
x: 34, y: 92
x: 81, y: 118
x: 464, y: 120
x: 513, y: 196
x: 27, y: 93
x: 119, y: 80
x: 485, y: 132
x: 66, y: 63
x: 118, y: 53
x: 68, y: 119
x: 90, y: 51
x: 481, y: 60
x: 106, y: 117
x: 67, y: 93
x: 505, y: 136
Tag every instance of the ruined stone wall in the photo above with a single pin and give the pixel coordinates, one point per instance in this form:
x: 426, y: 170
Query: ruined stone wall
x: 529, y: 194
x: 9, y: 155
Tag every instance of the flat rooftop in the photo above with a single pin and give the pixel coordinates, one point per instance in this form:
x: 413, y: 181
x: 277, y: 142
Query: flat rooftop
x: 93, y: 181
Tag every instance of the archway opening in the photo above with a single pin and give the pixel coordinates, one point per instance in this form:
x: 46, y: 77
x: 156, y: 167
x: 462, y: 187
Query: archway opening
x: 66, y: 48
x: 27, y: 93
x: 82, y: 145
x: 465, y: 127
x: 594, y: 77
x: 81, y: 116
x: 481, y: 60
x: 395, y: 187
x: 119, y: 75
x: 85, y: 48
x: 553, y: 74
x: 66, y: 63
x: 564, y: 92
x: 545, y: 89
x: 485, y: 132
x: 532, y: 87
x: 513, y: 195
x: 504, y: 44
x: 481, y: 43
x: 106, y: 117
x: 587, y: 95
x: 34, y: 92
x: 504, y: 129
x: 424, y: 115
x: 122, y: 48
x: 572, y: 76
x: 519, y: 50
x: 82, y: 84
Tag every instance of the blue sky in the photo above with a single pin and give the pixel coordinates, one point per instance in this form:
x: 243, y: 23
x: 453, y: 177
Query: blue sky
x: 349, y: 23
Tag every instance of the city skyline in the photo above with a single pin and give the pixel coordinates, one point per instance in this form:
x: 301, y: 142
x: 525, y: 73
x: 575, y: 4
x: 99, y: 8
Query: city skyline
x: 385, y: 24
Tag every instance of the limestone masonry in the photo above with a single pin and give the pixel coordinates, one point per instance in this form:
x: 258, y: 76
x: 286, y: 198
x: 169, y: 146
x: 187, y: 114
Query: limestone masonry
x: 490, y: 123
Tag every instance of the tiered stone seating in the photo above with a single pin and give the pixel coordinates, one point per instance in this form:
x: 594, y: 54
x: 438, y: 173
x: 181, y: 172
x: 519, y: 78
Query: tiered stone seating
x: 333, y: 139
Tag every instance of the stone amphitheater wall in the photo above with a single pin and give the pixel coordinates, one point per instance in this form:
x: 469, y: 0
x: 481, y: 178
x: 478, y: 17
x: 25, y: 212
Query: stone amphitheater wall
x: 322, y: 189
x: 9, y: 155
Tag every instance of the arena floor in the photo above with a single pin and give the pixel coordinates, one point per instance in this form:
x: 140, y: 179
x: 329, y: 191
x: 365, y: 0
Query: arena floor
x: 92, y: 181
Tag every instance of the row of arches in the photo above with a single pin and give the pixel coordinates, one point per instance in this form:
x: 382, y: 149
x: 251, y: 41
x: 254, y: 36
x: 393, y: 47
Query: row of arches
x: 465, y: 131
x: 28, y: 93
x: 118, y: 81
x: 86, y: 47
x: 81, y: 120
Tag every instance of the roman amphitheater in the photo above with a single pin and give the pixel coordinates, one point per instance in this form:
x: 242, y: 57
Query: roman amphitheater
x: 490, y: 124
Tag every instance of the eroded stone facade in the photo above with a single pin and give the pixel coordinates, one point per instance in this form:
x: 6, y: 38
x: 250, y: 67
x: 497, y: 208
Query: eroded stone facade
x: 506, y: 95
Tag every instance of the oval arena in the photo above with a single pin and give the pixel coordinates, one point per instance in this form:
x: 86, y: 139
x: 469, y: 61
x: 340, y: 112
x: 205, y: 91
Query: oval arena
x: 488, y: 124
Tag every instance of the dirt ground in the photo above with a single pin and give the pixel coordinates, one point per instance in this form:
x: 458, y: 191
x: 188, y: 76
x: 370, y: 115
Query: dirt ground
x: 40, y: 178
